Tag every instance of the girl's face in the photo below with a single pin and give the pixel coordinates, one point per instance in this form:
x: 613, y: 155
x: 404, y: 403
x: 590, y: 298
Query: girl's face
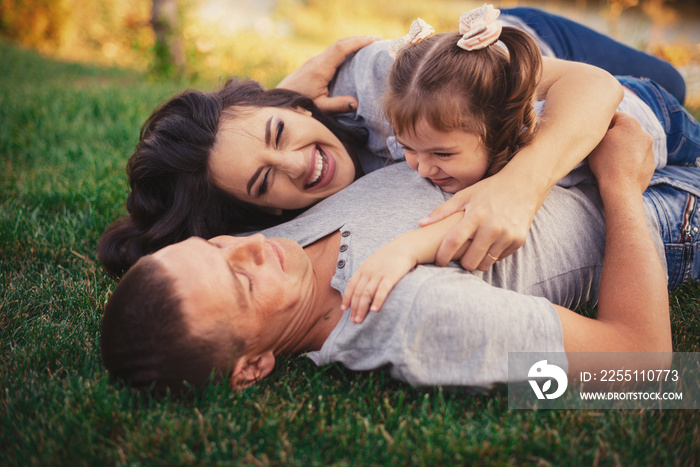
x: 452, y: 160
x: 279, y: 158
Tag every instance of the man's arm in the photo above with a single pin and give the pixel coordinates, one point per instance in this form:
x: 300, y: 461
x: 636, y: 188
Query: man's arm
x: 633, y: 312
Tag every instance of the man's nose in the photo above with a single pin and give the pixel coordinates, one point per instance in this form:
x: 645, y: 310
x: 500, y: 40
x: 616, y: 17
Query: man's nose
x: 250, y: 248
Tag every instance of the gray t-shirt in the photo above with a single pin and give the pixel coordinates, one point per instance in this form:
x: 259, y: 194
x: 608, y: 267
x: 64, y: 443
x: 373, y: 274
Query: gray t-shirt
x: 447, y: 326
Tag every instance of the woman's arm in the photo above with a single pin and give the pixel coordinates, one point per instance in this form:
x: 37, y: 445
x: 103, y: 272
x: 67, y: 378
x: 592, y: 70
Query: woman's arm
x: 312, y: 78
x: 581, y: 101
x: 633, y: 313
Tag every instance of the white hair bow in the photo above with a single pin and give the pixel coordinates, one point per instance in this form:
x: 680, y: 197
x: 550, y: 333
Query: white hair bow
x: 418, y: 31
x: 479, y: 27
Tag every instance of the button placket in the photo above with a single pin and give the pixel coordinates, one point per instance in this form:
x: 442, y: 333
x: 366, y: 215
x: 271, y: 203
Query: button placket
x: 342, y: 257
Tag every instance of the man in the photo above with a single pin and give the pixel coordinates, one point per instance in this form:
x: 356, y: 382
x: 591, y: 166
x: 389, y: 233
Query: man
x: 234, y: 304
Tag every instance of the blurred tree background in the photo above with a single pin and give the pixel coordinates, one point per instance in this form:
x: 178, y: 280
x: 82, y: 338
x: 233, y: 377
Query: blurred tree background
x: 199, y: 41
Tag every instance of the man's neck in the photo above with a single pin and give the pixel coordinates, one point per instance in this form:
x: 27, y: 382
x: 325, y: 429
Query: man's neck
x: 325, y: 307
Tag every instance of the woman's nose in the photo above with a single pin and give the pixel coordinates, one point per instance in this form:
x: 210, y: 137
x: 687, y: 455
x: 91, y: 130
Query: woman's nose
x: 293, y: 163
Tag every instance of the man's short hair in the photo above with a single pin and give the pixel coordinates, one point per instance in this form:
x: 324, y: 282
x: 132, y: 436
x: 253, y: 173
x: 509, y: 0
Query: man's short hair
x: 145, y: 339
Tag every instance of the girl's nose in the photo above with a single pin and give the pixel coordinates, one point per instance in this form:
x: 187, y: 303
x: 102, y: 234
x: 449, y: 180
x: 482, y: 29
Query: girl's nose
x: 425, y: 167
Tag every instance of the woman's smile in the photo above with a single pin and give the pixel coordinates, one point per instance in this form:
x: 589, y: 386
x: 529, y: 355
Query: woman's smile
x: 323, y: 164
x: 279, y: 158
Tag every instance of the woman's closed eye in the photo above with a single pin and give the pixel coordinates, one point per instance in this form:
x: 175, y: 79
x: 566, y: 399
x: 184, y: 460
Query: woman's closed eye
x: 265, y: 184
x: 266, y: 181
x: 280, y: 130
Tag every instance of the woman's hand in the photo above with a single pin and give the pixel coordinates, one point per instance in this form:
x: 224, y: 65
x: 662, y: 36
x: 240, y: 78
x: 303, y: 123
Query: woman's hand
x: 314, y: 76
x: 369, y: 286
x: 498, y: 212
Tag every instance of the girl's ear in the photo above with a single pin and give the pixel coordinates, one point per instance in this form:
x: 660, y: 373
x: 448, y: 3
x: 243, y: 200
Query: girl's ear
x: 251, y: 369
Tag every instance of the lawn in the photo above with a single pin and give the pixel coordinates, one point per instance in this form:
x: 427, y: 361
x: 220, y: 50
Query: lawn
x: 66, y: 131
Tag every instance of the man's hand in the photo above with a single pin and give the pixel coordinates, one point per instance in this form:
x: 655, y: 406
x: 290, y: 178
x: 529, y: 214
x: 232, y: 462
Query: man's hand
x: 624, y: 159
x: 313, y: 77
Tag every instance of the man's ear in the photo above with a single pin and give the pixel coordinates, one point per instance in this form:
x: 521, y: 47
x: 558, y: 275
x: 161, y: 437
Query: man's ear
x: 251, y: 369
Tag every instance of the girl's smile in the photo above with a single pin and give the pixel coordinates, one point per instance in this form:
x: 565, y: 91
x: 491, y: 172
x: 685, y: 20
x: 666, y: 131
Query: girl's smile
x: 452, y: 160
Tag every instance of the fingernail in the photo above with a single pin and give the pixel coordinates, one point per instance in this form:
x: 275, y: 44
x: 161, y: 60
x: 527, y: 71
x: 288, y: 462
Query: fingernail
x: 343, y: 307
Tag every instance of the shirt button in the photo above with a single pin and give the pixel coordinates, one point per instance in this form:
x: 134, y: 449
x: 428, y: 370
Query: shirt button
x: 341, y: 264
x: 343, y: 247
x: 345, y: 233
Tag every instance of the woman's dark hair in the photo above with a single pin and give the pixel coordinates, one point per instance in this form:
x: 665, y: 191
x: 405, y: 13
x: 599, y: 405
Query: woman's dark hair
x: 489, y: 92
x: 172, y: 194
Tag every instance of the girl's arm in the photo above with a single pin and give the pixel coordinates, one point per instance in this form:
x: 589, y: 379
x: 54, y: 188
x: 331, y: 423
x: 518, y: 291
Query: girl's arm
x: 378, y: 274
x: 498, y: 211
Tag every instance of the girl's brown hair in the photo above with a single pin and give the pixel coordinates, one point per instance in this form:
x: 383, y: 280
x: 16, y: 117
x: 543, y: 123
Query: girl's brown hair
x: 489, y: 92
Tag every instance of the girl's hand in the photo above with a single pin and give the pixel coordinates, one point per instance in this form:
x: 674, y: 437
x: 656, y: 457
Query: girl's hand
x: 372, y: 282
x: 314, y: 76
x: 498, y: 212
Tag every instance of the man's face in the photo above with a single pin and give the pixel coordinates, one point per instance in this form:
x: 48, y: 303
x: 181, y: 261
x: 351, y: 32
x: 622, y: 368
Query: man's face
x: 254, y: 286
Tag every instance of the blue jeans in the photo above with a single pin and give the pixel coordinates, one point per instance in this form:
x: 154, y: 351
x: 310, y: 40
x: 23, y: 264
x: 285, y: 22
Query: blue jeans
x: 682, y: 130
x: 674, y: 195
x: 572, y: 41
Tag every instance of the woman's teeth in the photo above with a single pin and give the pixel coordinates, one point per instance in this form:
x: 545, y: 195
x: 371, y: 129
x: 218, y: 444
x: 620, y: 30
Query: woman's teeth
x: 320, y: 168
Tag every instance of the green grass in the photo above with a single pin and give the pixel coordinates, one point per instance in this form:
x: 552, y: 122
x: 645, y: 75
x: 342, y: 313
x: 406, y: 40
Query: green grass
x: 65, y: 134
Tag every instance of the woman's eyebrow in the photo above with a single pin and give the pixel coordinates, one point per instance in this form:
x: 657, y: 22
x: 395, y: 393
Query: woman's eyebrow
x: 268, y: 132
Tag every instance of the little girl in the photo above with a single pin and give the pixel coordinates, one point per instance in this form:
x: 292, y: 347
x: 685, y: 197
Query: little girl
x: 463, y: 104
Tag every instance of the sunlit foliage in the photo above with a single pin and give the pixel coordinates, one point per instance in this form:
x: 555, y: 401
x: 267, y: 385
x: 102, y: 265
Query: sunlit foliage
x: 267, y: 39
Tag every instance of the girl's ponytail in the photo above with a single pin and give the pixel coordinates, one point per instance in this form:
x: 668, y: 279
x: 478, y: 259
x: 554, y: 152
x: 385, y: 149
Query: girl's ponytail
x: 513, y: 123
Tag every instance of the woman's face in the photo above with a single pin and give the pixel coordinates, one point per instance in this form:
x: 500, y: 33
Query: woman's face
x: 279, y: 158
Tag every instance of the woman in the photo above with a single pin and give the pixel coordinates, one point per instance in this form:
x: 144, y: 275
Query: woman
x: 183, y: 179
